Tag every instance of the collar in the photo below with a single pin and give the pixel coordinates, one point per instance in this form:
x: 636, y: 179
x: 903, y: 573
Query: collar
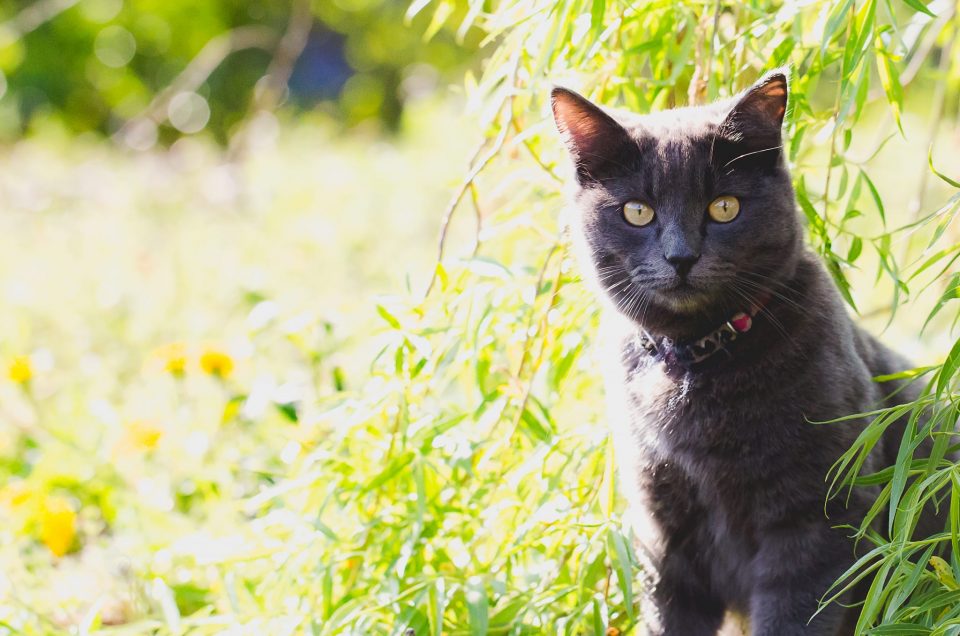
x: 696, y: 351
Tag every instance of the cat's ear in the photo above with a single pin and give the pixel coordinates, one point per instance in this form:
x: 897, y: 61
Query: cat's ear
x: 597, y: 143
x: 752, y: 128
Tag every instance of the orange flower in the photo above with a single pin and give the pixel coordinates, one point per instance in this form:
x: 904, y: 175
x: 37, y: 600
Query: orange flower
x: 216, y: 363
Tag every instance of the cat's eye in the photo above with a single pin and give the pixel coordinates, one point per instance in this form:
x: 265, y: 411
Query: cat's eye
x: 724, y: 209
x: 637, y: 213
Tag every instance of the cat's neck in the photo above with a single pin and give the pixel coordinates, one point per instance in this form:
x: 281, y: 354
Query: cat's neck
x: 785, y: 296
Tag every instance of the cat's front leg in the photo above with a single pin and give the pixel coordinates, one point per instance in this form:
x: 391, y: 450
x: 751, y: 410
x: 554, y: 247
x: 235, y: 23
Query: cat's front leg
x: 793, y: 578
x: 681, y: 603
x: 787, y: 612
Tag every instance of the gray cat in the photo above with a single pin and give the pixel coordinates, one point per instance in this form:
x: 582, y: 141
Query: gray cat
x: 731, y: 339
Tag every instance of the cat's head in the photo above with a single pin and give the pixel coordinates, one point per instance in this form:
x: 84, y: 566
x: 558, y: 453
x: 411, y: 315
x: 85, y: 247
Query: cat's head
x: 687, y: 215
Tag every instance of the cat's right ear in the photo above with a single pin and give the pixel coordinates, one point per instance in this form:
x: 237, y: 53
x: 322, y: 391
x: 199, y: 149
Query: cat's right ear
x: 596, y: 142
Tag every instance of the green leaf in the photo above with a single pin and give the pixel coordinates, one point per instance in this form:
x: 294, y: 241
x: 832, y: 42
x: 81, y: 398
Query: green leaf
x: 952, y: 292
x: 900, y: 629
x: 534, y: 426
x: 410, y: 618
x: 289, y: 410
x: 856, y: 246
x: 955, y: 184
x: 944, y: 573
x: 394, y: 466
x: 599, y: 615
x: 839, y: 14
x: 477, y: 608
x: 596, y: 14
x: 875, y: 195
x: 874, y: 598
x: 890, y: 80
x: 916, y: 5
x: 438, y: 604
x: 387, y: 316
x: 900, y: 471
x: 948, y: 369
x: 624, y: 565
x: 954, y: 512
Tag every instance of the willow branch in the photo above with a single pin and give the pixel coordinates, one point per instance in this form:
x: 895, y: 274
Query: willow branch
x: 285, y: 56
x: 272, y: 87
x: 939, y: 104
x: 920, y: 54
x: 210, y: 57
x: 836, y: 125
x: 458, y: 197
x: 699, y: 83
x: 478, y: 167
x: 32, y: 18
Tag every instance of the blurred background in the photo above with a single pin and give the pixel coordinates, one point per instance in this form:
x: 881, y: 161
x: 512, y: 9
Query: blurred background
x: 227, y: 405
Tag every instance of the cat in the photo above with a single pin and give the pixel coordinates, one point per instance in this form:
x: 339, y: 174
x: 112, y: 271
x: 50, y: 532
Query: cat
x: 730, y: 342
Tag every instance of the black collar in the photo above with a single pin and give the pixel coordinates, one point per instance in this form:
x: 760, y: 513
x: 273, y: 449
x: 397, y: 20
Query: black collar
x: 693, y: 352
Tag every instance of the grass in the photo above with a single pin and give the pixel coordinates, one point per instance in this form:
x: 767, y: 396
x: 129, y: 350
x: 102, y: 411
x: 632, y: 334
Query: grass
x: 196, y: 440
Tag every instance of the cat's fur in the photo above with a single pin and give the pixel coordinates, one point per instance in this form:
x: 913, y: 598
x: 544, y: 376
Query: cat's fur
x: 724, y: 471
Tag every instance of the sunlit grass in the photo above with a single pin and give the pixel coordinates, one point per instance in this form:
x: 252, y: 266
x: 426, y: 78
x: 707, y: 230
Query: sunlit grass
x: 227, y: 411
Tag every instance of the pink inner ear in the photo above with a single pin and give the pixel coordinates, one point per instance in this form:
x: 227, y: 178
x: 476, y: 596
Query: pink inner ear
x: 585, y: 133
x: 586, y: 129
x: 774, y: 92
x: 574, y: 120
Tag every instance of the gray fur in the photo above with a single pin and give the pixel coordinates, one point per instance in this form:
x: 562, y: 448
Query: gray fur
x: 722, y: 467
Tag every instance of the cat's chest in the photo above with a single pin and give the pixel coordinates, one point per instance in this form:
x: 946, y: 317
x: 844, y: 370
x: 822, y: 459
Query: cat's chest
x: 705, y: 418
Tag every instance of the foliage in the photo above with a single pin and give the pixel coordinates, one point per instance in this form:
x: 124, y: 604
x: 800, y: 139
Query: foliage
x: 199, y: 445
x: 845, y: 57
x: 112, y: 66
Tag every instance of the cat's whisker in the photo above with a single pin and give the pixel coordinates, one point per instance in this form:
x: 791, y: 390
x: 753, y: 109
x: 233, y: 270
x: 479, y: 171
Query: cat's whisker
x: 747, y: 154
x: 626, y: 307
x: 623, y: 281
x: 773, y: 292
x: 637, y: 304
x: 769, y: 315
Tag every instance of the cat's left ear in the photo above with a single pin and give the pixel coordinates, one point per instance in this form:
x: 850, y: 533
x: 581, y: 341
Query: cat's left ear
x: 753, y: 124
x: 598, y: 144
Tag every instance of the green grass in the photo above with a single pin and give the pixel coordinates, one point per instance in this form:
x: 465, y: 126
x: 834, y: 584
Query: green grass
x: 228, y: 426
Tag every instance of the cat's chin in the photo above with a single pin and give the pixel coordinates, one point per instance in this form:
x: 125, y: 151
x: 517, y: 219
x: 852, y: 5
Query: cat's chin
x: 683, y: 298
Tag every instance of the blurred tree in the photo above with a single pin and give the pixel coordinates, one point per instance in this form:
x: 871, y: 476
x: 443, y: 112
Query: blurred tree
x: 156, y: 70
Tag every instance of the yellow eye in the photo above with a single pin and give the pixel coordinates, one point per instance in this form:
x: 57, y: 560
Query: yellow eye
x: 637, y: 213
x: 724, y: 209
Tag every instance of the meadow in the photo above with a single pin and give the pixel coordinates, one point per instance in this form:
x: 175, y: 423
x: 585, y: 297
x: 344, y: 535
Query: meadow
x: 223, y: 415
x: 243, y: 393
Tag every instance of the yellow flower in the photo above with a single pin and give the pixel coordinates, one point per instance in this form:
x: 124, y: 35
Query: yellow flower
x: 16, y: 494
x: 143, y: 435
x: 174, y: 357
x: 20, y: 370
x: 216, y: 363
x: 58, y: 525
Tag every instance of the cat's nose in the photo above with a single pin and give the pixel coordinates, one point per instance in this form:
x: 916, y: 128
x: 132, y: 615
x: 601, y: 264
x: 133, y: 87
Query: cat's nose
x: 682, y: 262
